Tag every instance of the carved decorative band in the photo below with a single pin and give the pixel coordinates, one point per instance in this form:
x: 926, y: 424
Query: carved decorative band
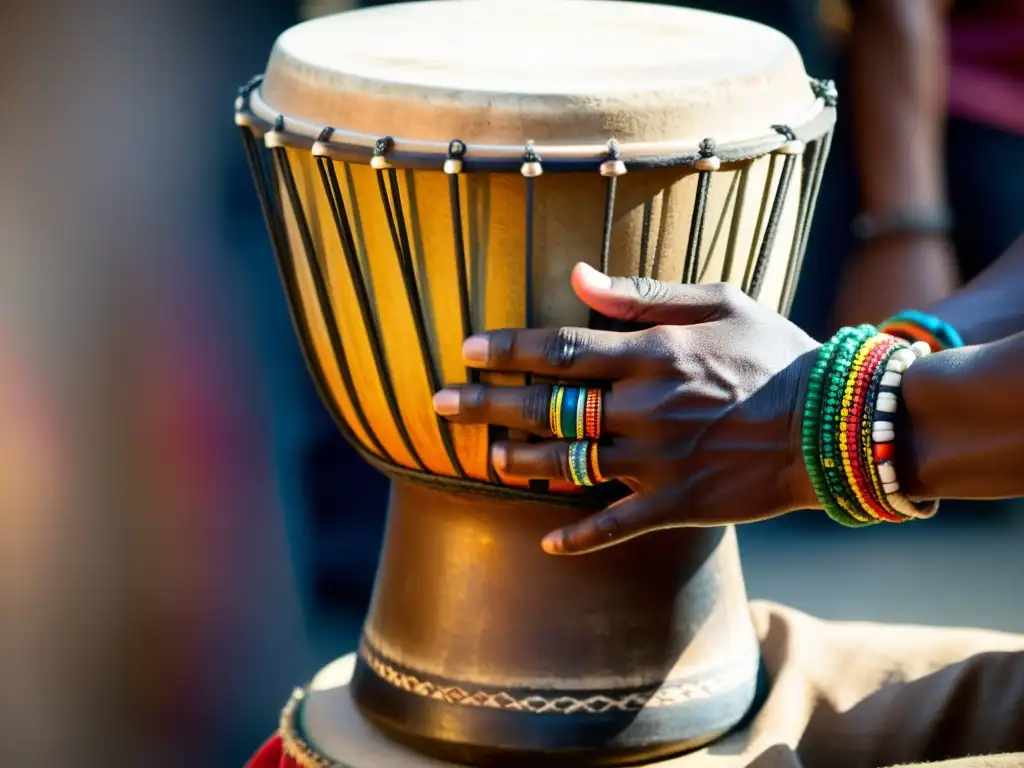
x: 672, y: 693
x: 294, y: 745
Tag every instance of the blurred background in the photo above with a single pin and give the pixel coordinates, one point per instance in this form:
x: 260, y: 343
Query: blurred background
x: 185, y: 536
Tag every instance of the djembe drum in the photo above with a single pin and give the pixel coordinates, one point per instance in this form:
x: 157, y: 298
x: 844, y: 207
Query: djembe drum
x: 434, y: 169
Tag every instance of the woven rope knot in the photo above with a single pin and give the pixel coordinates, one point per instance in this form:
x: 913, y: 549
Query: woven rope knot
x: 456, y: 149
x: 826, y: 91
x: 707, y: 147
x: 614, y: 150
x: 383, y: 145
x: 785, y: 131
x: 245, y: 91
x: 325, y: 134
x: 279, y: 123
x: 530, y: 155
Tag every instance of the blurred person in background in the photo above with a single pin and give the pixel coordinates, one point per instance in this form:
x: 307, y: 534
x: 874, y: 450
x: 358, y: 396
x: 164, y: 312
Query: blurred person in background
x: 149, y: 613
x: 936, y: 99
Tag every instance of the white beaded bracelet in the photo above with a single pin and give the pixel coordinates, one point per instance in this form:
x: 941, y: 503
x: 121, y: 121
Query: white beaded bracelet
x: 883, y: 429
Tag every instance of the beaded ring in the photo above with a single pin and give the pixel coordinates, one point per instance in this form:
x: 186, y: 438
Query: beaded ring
x: 595, y: 468
x: 579, y: 470
x: 575, y: 412
x: 592, y: 410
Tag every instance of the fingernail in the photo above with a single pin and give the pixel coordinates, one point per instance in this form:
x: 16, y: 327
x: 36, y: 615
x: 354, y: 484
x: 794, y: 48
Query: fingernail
x: 446, y: 402
x: 474, y: 349
x: 594, y: 278
x: 553, y: 543
x: 499, y: 456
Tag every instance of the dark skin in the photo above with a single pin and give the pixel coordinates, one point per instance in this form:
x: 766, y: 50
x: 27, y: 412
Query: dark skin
x: 703, y: 410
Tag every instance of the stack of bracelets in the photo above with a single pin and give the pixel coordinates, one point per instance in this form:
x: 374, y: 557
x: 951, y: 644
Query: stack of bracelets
x: 918, y: 326
x: 849, y: 427
x: 575, y: 412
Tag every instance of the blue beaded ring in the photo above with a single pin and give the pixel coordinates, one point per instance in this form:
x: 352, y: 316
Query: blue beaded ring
x: 578, y: 468
x: 568, y: 411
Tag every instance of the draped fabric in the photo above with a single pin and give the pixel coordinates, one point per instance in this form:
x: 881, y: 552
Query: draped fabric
x: 844, y: 695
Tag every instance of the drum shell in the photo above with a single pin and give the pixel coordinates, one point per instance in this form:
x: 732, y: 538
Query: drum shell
x: 652, y: 227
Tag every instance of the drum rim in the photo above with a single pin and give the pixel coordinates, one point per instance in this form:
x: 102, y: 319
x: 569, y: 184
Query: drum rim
x: 252, y: 111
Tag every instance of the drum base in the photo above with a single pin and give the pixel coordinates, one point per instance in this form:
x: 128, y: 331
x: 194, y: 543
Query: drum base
x: 481, y: 649
x: 328, y: 725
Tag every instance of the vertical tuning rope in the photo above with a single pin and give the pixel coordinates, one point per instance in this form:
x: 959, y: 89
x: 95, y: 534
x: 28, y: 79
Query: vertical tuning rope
x: 336, y: 202
x: 264, y: 178
x: 790, y: 150
x: 706, y: 164
x: 326, y: 306
x: 453, y: 168
x: 611, y: 169
x: 400, y: 238
x: 531, y: 169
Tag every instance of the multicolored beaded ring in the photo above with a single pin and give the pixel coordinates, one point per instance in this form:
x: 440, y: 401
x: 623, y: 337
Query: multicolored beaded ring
x: 575, y: 412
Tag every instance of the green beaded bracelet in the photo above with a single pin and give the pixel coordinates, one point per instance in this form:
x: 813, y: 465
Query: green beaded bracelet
x: 821, y: 414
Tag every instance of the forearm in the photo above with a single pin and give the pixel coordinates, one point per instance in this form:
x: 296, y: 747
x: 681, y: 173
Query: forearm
x: 898, y: 84
x: 990, y: 306
x: 962, y: 435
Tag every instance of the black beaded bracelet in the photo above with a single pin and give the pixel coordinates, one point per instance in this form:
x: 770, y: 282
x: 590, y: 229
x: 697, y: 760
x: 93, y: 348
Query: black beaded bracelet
x: 935, y: 221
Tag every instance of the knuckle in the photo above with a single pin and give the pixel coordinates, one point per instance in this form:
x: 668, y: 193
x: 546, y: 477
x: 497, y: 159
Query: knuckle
x: 607, y: 528
x: 662, y: 347
x: 727, y: 296
x: 501, y: 347
x: 536, y: 408
x: 648, y: 292
x: 473, y: 399
x: 562, y: 347
x: 558, y: 461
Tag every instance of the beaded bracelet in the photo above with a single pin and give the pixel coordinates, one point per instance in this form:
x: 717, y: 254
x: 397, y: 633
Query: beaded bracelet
x: 919, y: 326
x: 846, y: 439
x: 883, y: 431
x: 857, y: 412
x: 820, y: 406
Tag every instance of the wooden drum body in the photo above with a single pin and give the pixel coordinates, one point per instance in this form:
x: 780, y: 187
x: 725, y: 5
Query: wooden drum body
x: 436, y: 169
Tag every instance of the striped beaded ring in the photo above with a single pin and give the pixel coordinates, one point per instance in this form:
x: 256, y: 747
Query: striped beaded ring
x: 555, y: 409
x: 592, y: 413
x: 595, y: 468
x: 579, y: 469
x: 912, y: 325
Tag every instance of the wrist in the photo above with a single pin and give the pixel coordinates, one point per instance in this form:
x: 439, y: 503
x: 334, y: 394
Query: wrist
x: 920, y: 429
x: 798, y: 486
x: 930, y: 223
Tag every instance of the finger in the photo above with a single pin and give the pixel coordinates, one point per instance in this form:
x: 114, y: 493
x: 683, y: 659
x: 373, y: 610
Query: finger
x: 550, y: 460
x: 642, y: 300
x: 623, y: 520
x: 523, y: 408
x: 574, y: 353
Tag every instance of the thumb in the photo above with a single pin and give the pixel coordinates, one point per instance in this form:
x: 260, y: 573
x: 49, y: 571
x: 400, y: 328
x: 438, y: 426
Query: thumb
x: 643, y: 300
x: 625, y: 519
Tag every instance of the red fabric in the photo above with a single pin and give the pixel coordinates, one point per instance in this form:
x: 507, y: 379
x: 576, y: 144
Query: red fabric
x: 986, y: 76
x: 271, y: 755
